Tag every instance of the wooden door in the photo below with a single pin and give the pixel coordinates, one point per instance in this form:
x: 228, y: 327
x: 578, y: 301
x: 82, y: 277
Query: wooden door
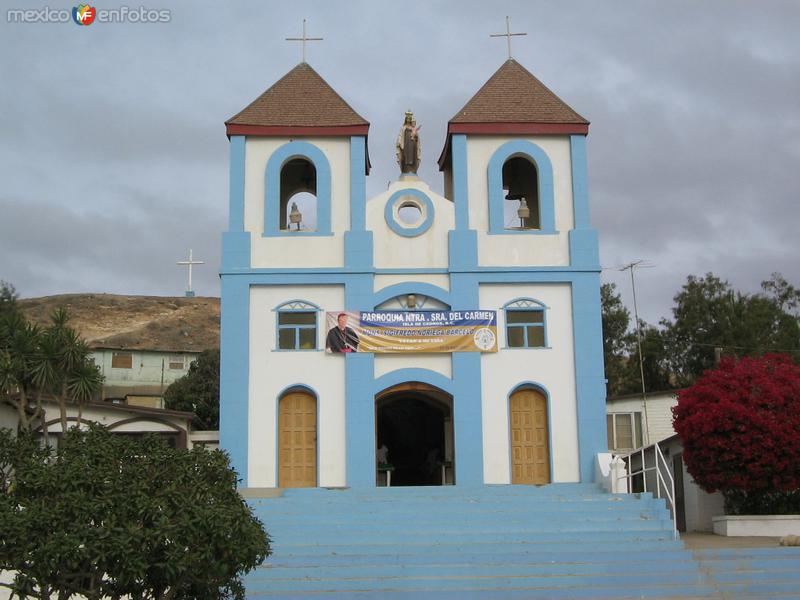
x: 297, y: 441
x: 530, y: 449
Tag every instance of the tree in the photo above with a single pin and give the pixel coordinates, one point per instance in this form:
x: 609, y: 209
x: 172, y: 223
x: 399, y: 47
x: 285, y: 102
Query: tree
x: 8, y: 298
x: 709, y: 314
x: 739, y: 425
x: 198, y: 390
x: 617, y: 339
x: 35, y: 362
x: 107, y: 516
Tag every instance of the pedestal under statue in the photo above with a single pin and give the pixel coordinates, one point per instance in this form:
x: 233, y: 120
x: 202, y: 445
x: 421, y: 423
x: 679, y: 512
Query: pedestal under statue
x: 408, y: 146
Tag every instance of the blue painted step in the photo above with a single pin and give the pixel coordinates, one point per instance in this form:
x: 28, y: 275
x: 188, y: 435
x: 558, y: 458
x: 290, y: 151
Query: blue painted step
x: 556, y: 541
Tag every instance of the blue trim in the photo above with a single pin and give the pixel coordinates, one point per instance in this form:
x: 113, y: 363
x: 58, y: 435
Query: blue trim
x: 235, y: 252
x: 298, y: 387
x: 590, y: 380
x: 234, y: 373
x: 310, y: 304
x: 358, y: 183
x: 358, y: 242
x: 462, y: 248
x: 550, y: 447
x: 411, y: 287
x: 401, y: 228
x: 546, y: 194
x: 567, y: 271
x: 398, y: 376
x: 272, y: 185
x: 580, y: 188
x: 236, y: 189
x: 458, y: 154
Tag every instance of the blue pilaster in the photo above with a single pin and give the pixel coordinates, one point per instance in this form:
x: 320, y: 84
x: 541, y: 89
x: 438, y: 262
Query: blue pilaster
x: 459, y: 164
x: 589, y: 373
x: 467, y: 407
x: 358, y: 245
x: 463, y: 241
x: 583, y: 244
x: 359, y: 398
x: 234, y: 371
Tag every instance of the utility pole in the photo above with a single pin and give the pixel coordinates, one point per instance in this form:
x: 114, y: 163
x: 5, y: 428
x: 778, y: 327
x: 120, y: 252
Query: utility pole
x: 631, y: 267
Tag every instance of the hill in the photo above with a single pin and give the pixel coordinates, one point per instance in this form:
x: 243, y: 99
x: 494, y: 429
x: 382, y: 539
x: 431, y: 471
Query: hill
x: 165, y: 323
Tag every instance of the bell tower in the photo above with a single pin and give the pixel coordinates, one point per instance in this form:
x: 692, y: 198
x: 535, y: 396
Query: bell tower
x: 298, y: 163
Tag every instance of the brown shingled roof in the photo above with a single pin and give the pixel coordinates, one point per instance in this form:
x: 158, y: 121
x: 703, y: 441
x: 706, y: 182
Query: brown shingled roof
x: 514, y: 95
x: 301, y: 98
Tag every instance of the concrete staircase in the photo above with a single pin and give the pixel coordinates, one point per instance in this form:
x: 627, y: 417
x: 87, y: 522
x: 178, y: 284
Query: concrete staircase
x: 556, y: 541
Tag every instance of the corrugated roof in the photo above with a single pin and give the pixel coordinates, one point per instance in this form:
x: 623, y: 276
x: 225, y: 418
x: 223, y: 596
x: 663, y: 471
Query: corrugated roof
x: 301, y: 98
x: 514, y: 95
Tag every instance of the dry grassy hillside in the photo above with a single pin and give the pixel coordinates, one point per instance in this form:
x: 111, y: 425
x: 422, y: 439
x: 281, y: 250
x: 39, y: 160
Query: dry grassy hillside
x: 135, y: 322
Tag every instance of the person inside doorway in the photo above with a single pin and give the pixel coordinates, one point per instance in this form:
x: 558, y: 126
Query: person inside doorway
x: 341, y: 338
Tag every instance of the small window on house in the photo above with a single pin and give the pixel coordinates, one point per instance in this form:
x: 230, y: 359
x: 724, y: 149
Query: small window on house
x: 297, y: 326
x: 176, y: 362
x: 525, y: 324
x: 122, y: 360
x: 298, y: 196
x: 521, y: 188
x: 624, y: 430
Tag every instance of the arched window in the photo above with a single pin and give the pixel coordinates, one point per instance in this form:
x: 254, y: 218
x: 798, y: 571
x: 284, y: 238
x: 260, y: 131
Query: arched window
x: 520, y: 170
x: 296, y: 325
x: 298, y: 196
x: 521, y: 187
x: 297, y: 191
x: 526, y: 325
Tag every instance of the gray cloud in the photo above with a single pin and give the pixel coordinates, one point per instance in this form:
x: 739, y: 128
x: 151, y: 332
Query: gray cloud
x: 114, y: 160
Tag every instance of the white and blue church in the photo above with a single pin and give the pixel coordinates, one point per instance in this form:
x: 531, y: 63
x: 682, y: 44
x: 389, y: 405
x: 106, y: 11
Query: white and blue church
x: 511, y: 234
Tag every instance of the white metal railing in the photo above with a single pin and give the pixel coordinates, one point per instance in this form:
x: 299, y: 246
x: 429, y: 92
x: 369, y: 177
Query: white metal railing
x: 663, y: 476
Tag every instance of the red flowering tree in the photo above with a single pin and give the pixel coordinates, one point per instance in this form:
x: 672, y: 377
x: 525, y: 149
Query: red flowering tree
x: 740, y: 427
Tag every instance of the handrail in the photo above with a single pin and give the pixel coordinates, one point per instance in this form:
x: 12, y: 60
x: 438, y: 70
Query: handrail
x: 663, y: 477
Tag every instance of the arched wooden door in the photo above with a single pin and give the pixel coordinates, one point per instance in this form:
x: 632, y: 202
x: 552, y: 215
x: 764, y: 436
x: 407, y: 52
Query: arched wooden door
x: 530, y: 448
x: 297, y: 440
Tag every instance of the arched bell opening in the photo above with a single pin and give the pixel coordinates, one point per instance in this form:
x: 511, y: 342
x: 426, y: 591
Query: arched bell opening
x: 298, y: 196
x: 521, y: 188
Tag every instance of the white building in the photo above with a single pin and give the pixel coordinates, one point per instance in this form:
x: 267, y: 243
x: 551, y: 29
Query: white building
x: 524, y: 403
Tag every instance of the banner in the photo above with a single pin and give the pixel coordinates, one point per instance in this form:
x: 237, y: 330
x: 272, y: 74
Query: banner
x: 412, y: 331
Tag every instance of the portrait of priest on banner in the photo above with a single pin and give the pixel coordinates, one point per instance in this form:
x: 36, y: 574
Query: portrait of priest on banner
x: 341, y: 338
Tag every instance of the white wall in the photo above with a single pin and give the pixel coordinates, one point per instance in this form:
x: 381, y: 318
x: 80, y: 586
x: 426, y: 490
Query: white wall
x: 427, y: 250
x: 439, y: 280
x: 272, y: 371
x: 552, y: 367
x: 147, y: 367
x: 659, y: 413
x: 302, y: 251
x: 521, y: 250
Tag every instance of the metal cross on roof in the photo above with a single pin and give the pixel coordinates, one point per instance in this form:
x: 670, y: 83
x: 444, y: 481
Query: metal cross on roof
x: 304, y: 39
x: 507, y: 35
x: 190, y: 263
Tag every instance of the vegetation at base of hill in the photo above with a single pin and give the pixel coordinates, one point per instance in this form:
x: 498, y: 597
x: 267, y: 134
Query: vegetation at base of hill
x: 42, y: 361
x: 107, y: 516
x: 707, y: 314
x: 739, y: 425
x: 198, y: 390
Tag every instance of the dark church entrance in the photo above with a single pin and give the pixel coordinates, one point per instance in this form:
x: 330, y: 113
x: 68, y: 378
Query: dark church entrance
x: 414, y: 432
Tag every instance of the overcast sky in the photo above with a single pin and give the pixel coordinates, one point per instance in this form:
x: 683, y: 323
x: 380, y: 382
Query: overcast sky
x: 114, y: 160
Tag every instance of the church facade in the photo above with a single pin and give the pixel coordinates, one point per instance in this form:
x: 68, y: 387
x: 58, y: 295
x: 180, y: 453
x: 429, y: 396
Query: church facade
x: 306, y: 252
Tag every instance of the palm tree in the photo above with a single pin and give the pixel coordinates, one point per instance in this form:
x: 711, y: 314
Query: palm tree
x: 78, y: 377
